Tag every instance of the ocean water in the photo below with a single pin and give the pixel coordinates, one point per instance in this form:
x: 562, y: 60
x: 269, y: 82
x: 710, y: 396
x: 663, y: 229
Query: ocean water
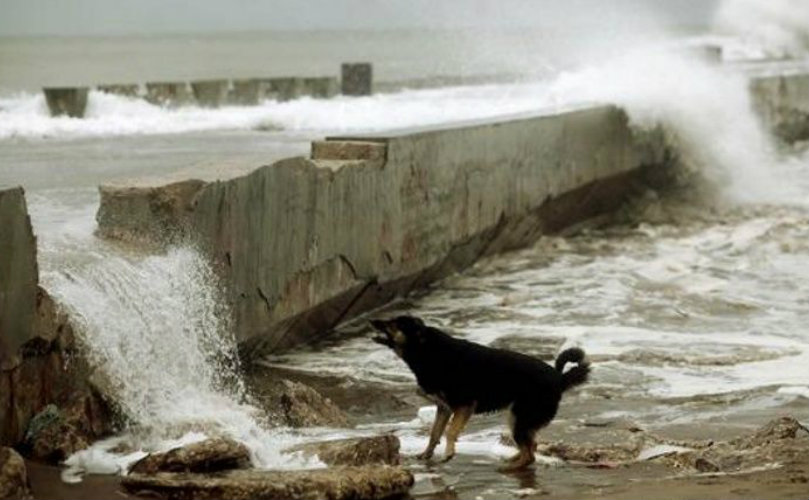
x: 689, y: 300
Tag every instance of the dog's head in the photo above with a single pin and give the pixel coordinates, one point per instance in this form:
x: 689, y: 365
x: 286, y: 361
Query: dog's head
x: 399, y: 333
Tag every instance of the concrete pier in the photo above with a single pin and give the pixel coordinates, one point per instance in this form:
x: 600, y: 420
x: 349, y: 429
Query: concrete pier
x: 210, y: 93
x: 127, y: 90
x: 356, y: 79
x: 66, y: 101
x: 72, y: 101
x: 168, y: 93
x: 308, y: 242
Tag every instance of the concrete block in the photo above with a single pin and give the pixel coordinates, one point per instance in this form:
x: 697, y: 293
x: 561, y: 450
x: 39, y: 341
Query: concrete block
x: 285, y: 89
x: 127, y: 90
x: 68, y: 101
x: 168, y: 93
x: 321, y: 87
x: 782, y: 102
x: 357, y: 79
x: 348, y: 150
x: 210, y: 93
x: 249, y: 92
x: 19, y: 276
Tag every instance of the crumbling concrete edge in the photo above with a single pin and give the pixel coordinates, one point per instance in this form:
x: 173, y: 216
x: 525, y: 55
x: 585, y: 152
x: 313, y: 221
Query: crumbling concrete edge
x: 40, y: 363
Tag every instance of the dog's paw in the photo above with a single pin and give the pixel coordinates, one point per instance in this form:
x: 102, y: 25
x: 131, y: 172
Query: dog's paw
x: 425, y: 455
x: 515, y: 466
x: 448, y: 458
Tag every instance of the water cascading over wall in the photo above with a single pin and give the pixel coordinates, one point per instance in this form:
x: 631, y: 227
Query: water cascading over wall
x: 39, y: 361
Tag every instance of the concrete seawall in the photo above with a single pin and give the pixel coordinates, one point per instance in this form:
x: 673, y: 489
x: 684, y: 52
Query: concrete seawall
x: 782, y: 101
x: 18, y: 276
x: 39, y: 363
x: 306, y: 243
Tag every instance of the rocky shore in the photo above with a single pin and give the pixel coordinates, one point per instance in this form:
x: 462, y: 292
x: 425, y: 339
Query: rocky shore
x: 590, y: 459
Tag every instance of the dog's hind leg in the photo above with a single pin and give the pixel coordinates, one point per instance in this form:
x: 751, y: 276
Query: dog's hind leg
x: 460, y: 417
x: 524, y: 437
x: 442, y: 414
x: 527, y: 420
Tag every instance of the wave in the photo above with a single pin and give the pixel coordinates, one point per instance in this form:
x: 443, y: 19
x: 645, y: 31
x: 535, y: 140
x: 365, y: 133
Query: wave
x: 26, y: 116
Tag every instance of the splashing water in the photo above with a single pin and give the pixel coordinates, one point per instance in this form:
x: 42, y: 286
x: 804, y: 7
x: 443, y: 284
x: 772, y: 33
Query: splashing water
x: 778, y: 28
x: 706, y: 111
x: 155, y: 330
x: 26, y: 116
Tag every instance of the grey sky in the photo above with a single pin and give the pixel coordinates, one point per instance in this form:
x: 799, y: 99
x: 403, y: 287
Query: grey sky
x: 93, y: 17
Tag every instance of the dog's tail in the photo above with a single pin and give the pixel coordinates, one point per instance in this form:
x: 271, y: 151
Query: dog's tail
x: 576, y: 375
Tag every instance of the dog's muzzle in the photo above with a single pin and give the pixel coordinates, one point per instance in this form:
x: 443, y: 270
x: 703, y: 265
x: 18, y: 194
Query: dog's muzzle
x: 383, y: 337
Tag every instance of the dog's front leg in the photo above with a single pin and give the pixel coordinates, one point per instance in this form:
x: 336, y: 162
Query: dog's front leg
x: 459, y: 419
x: 442, y: 414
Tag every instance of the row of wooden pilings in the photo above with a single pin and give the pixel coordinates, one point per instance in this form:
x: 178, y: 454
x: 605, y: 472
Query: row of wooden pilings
x: 356, y: 80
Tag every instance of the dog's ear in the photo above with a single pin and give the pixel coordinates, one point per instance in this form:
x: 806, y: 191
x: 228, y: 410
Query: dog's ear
x: 411, y: 322
x: 418, y: 329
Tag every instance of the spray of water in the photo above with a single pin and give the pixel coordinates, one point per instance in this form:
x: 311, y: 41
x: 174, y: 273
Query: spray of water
x: 778, y: 28
x: 706, y: 111
x: 155, y: 331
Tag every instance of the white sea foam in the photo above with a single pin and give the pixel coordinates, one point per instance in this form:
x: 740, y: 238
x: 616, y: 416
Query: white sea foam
x: 26, y: 116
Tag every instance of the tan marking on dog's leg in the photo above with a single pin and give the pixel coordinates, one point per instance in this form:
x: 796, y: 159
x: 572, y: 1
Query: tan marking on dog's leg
x: 442, y: 414
x: 519, y: 454
x: 522, y: 460
x: 459, y: 419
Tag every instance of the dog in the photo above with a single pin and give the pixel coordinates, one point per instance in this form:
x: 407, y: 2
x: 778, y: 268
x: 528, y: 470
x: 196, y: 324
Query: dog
x: 464, y: 378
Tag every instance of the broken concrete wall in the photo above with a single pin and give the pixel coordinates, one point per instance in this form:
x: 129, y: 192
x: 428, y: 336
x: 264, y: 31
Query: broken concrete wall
x: 307, y: 243
x: 18, y: 276
x: 782, y: 101
x: 38, y: 361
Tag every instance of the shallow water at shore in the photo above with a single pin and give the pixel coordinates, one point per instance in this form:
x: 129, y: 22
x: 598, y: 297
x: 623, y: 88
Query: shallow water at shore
x: 693, y: 313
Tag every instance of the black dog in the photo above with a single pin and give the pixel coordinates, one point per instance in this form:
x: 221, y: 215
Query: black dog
x: 465, y: 378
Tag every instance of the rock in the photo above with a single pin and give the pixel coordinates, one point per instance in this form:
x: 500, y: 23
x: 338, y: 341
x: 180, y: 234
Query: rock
x: 775, y: 430
x: 705, y: 465
x: 590, y: 453
x: 55, y: 433
x: 781, y: 441
x: 369, y: 482
x: 13, y: 476
x: 57, y: 441
x: 299, y: 405
x: 210, y: 455
x: 354, y: 451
